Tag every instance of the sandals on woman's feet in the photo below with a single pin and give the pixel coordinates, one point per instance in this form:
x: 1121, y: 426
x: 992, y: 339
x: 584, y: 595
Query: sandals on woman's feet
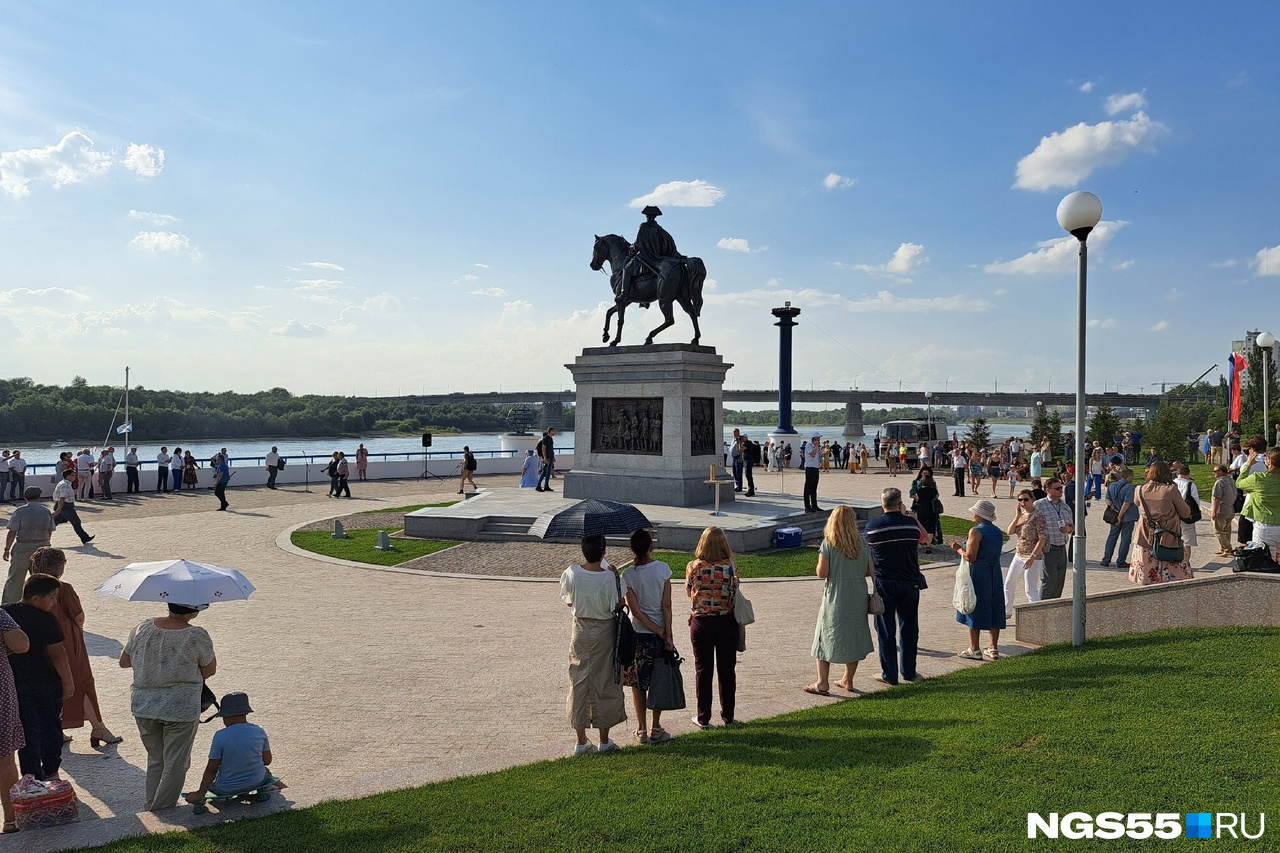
x: 641, y: 735
x: 9, y: 827
x: 658, y: 734
x: 970, y: 654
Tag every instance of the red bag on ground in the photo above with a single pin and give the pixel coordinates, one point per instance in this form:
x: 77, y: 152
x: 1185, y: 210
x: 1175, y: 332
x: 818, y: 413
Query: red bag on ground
x: 37, y: 805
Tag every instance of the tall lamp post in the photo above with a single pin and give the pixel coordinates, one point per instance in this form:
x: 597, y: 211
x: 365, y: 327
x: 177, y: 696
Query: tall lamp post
x: 1266, y: 341
x: 928, y: 418
x: 1078, y: 213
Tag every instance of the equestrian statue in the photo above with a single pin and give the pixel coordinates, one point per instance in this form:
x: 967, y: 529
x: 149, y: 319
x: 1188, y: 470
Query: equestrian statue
x: 650, y: 270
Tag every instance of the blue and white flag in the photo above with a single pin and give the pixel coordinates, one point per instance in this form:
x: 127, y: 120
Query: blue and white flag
x: 125, y: 427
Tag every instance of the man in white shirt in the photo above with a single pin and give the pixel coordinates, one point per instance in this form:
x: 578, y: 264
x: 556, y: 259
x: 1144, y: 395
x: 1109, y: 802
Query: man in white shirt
x: 132, y: 465
x: 64, y: 506
x: 84, y: 474
x: 959, y: 466
x: 107, y: 467
x: 273, y: 467
x: 162, y: 467
x: 810, y: 458
x: 4, y: 474
x: 17, y: 475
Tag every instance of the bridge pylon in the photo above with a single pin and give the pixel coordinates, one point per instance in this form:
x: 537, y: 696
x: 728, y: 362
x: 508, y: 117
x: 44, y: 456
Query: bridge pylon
x: 853, y: 421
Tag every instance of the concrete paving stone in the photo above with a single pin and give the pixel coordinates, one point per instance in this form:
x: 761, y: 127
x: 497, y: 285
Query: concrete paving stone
x: 370, y: 680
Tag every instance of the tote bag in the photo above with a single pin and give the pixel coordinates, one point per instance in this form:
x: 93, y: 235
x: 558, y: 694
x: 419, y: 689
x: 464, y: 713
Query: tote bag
x: 666, y: 684
x: 964, y: 597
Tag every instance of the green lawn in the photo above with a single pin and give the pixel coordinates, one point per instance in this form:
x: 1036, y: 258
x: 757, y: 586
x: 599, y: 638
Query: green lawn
x: 952, y: 526
x: 1181, y: 721
x: 360, y: 547
x: 779, y: 563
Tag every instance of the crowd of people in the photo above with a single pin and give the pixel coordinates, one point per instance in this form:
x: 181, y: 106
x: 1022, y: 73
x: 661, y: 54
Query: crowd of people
x: 47, y: 690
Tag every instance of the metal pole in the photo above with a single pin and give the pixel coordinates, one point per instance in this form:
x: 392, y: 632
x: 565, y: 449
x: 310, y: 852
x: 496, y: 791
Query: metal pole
x: 1078, y: 564
x: 1266, y: 406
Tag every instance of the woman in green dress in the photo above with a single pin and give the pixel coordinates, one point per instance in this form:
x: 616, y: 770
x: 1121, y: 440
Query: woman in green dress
x: 843, y: 634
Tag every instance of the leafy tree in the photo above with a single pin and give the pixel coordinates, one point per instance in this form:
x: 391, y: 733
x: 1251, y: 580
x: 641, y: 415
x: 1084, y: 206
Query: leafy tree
x: 1054, y: 432
x: 978, y: 433
x: 1103, y: 426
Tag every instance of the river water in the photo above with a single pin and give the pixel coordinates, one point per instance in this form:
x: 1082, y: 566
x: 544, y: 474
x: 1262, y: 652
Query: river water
x: 250, y: 451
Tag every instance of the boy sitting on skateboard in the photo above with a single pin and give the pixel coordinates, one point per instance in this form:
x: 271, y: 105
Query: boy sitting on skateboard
x: 239, y: 755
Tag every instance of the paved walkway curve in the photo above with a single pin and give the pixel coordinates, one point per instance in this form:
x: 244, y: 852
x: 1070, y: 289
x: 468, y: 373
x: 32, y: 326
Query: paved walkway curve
x: 375, y: 680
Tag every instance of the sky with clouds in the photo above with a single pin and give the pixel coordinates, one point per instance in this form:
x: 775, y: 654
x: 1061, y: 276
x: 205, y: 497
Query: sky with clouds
x: 401, y: 197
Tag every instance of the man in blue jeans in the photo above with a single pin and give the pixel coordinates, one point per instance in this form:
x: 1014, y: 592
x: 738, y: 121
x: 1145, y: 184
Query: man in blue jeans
x: 1120, y: 496
x: 893, y: 538
x: 546, y: 460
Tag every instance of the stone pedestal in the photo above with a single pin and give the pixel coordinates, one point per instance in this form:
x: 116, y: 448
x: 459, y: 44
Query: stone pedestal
x: 648, y: 425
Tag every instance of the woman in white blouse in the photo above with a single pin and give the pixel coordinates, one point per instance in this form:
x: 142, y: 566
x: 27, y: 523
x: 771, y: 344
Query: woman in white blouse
x: 170, y: 659
x: 593, y: 593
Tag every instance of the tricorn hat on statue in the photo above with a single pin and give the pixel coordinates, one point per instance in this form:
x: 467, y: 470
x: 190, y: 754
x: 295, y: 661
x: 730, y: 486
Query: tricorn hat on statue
x: 651, y: 210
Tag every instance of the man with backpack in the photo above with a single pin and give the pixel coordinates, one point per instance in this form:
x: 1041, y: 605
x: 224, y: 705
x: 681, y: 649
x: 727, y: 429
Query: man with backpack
x: 750, y: 459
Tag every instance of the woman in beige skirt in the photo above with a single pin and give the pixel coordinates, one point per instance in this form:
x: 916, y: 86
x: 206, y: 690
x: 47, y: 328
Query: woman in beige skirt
x: 593, y: 593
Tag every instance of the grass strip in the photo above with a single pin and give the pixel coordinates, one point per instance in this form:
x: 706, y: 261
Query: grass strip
x: 1174, y: 721
x: 412, y: 508
x: 360, y: 547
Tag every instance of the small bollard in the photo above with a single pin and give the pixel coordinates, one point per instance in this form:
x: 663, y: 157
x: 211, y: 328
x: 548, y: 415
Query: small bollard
x: 384, y: 542
x: 338, y: 532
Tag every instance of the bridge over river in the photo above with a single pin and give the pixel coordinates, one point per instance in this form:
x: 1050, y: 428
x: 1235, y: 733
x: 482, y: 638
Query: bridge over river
x: 553, y: 402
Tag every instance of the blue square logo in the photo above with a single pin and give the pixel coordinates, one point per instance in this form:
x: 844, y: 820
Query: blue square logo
x: 1199, y: 825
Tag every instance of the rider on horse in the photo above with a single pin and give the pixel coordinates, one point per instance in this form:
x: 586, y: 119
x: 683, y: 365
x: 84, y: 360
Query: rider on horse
x: 653, y: 247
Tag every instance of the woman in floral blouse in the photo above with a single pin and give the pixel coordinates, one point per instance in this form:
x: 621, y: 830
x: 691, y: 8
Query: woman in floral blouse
x: 711, y: 581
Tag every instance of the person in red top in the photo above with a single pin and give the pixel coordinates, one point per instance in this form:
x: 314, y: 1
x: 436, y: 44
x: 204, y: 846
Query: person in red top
x: 711, y: 581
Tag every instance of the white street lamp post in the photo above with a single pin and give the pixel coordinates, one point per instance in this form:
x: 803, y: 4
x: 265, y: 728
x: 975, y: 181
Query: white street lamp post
x: 1266, y: 340
x: 1078, y: 213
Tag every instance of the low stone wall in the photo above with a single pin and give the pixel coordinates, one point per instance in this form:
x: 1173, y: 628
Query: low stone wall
x: 1243, y: 599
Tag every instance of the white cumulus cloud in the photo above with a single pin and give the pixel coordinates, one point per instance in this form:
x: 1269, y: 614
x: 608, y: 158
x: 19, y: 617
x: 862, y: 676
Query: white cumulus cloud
x: 1161, y: 326
x: 681, y: 194
x: 299, y: 329
x: 157, y: 219
x: 495, y: 292
x: 1056, y: 255
x: 1125, y: 103
x: 1064, y: 159
x: 837, y: 182
x: 164, y: 241
x: 145, y: 161
x: 318, y: 284
x: 735, y: 244
x: 323, y: 265
x: 1266, y: 262
x: 1086, y: 86
x: 907, y: 259
x: 73, y: 158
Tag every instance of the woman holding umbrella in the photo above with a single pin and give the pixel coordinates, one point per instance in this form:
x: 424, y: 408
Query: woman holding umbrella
x: 170, y: 659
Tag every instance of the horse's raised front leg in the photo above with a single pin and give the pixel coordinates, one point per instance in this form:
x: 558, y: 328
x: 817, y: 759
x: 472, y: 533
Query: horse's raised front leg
x: 667, y: 321
x: 608, y: 316
x: 621, y: 308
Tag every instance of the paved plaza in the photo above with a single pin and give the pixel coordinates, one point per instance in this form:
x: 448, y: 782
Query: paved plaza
x: 373, y: 679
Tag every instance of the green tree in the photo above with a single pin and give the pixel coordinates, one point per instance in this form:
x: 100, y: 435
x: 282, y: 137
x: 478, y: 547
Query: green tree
x: 1167, y: 433
x: 1103, y: 426
x: 978, y: 433
x: 1039, y: 426
x: 1055, y: 432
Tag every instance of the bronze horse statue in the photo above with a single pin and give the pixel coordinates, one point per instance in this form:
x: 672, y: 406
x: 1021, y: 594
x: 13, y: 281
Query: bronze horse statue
x: 676, y: 280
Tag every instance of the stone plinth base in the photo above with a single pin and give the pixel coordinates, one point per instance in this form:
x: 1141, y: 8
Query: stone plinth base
x: 648, y: 426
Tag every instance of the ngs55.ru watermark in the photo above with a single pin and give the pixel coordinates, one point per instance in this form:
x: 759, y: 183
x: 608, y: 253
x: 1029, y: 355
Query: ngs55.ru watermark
x: 1146, y: 825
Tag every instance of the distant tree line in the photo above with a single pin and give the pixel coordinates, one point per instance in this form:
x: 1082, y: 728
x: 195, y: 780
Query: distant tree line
x: 31, y: 412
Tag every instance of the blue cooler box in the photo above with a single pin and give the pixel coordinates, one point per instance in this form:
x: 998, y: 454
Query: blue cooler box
x: 787, y: 537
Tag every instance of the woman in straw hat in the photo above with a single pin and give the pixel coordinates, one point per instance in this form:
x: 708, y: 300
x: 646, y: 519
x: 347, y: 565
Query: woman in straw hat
x: 982, y: 550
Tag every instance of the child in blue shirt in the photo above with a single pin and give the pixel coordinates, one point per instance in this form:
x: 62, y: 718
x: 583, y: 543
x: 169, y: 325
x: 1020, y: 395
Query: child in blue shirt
x: 239, y: 755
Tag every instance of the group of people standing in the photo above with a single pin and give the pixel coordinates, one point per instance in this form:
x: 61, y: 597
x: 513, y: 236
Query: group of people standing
x: 596, y: 595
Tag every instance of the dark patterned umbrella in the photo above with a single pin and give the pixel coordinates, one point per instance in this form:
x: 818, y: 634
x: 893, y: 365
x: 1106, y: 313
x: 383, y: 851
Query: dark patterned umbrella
x: 591, y: 517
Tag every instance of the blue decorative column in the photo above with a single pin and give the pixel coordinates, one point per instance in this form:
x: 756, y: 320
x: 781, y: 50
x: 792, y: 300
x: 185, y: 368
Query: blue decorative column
x: 786, y: 322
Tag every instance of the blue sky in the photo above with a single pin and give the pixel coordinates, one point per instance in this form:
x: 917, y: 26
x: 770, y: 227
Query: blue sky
x: 401, y: 197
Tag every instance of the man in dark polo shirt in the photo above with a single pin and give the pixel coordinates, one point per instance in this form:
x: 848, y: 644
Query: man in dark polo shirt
x: 894, y: 538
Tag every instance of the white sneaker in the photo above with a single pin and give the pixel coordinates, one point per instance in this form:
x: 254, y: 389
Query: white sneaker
x: 586, y: 749
x: 608, y: 746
